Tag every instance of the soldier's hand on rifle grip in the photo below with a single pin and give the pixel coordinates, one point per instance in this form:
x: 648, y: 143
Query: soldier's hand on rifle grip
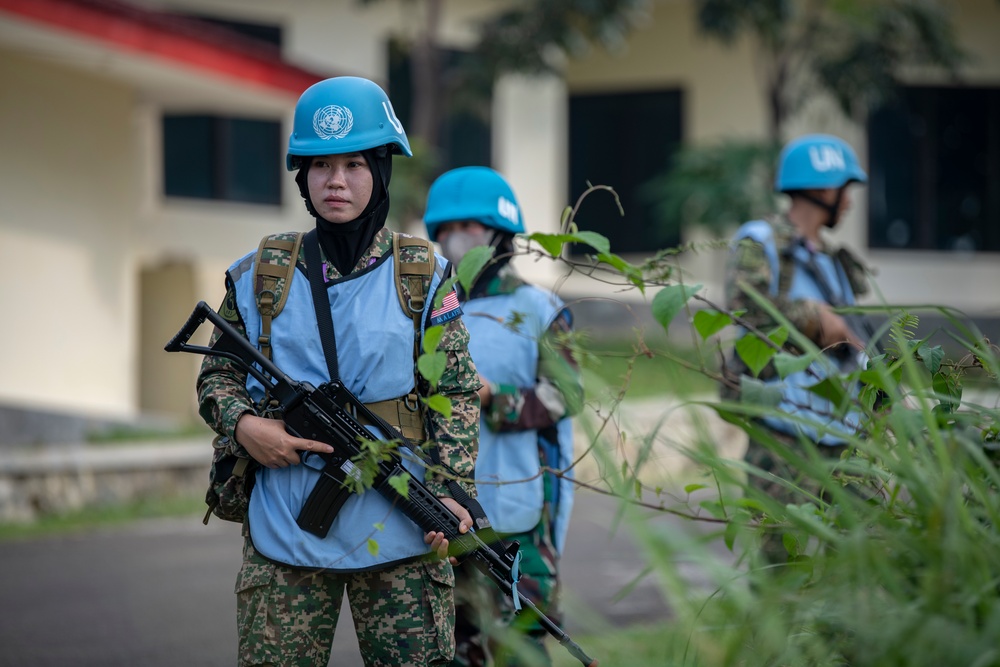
x: 437, y: 541
x: 267, y: 441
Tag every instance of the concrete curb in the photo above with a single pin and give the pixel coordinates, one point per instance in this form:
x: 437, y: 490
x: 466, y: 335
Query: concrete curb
x: 194, y: 452
x: 53, y: 480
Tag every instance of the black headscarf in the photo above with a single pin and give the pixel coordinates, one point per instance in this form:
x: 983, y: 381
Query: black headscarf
x: 344, y: 243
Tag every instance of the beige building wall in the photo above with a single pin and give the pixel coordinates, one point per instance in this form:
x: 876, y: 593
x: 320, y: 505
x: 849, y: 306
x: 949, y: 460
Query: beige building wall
x: 67, y: 204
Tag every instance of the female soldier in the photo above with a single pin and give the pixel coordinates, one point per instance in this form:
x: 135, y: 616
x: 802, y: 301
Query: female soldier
x: 291, y: 584
x: 530, y: 385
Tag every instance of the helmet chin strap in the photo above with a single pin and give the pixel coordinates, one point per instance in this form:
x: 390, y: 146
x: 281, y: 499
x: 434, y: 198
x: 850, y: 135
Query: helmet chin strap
x: 832, y: 209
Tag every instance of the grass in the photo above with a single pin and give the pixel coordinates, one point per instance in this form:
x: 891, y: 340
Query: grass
x: 670, y: 370
x: 654, y: 645
x: 129, y: 434
x: 104, y: 516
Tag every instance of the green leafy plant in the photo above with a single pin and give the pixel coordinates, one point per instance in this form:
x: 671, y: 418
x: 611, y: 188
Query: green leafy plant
x: 896, y: 561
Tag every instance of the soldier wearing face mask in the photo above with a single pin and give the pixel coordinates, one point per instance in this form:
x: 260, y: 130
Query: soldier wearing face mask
x: 531, y: 385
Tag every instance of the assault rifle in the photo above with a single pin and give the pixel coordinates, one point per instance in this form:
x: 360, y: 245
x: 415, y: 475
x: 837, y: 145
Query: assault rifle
x: 329, y: 413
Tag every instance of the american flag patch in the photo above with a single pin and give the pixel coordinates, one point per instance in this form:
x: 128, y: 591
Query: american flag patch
x: 449, y: 310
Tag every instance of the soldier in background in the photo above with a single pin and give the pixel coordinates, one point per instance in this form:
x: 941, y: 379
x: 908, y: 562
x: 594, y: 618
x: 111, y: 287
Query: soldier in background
x: 531, y: 385
x: 291, y: 585
x: 788, y: 260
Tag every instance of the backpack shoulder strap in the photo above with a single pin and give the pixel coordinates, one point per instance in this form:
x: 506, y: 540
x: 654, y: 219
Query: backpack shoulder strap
x: 413, y: 278
x: 783, y: 238
x: 413, y: 282
x: 274, y: 266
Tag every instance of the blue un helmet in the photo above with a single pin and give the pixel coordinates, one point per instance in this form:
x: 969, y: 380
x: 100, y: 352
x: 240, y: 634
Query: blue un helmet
x: 343, y: 115
x: 817, y: 162
x: 472, y: 193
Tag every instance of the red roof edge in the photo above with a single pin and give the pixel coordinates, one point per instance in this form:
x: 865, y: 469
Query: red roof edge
x: 169, y: 37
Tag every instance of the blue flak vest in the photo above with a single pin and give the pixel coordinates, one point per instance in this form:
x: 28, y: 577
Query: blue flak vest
x: 375, y: 356
x: 816, y: 421
x: 508, y: 481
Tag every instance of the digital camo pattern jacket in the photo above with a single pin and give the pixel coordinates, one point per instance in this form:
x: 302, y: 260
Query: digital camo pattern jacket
x: 749, y: 264
x: 223, y: 399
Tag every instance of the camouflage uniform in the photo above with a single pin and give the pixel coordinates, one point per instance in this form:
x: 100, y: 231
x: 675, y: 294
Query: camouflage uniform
x: 479, y: 604
x: 748, y: 263
x: 403, y: 613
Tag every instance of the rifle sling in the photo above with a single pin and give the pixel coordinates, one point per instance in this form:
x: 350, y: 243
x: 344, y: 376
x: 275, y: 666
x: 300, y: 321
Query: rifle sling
x: 314, y: 269
x: 321, y: 302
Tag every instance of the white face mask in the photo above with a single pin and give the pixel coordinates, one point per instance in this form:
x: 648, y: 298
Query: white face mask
x: 457, y: 244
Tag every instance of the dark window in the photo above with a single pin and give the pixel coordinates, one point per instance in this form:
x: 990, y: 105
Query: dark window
x: 935, y: 170
x: 464, y: 133
x: 621, y: 140
x: 229, y: 159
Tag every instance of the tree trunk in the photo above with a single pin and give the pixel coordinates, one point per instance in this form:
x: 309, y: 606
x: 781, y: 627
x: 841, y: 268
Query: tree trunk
x: 425, y: 72
x: 776, y: 99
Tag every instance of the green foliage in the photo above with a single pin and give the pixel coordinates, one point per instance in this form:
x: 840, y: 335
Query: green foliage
x: 714, y: 186
x: 472, y: 265
x: 432, y: 364
x: 897, y: 561
x: 757, y: 352
x: 851, y: 49
x: 439, y: 403
x: 709, y: 322
x: 522, y: 38
x: 401, y: 483
x: 647, y: 370
x: 366, y: 463
x: 645, y: 645
x: 670, y: 300
x: 554, y: 244
x: 893, y: 550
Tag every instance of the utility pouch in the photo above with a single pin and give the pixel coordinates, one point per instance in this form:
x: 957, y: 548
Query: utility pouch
x: 229, y: 483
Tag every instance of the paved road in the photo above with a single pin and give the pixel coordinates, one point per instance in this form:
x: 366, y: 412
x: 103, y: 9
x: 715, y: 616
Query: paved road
x: 160, y: 593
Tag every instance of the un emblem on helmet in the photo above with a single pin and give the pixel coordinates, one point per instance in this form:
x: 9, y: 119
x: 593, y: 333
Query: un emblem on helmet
x: 333, y: 122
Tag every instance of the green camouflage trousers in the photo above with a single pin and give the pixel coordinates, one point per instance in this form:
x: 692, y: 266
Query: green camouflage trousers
x: 764, y: 457
x: 484, y: 617
x: 404, y: 615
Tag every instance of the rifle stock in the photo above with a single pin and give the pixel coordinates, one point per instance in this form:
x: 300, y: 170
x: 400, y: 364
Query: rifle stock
x: 327, y: 414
